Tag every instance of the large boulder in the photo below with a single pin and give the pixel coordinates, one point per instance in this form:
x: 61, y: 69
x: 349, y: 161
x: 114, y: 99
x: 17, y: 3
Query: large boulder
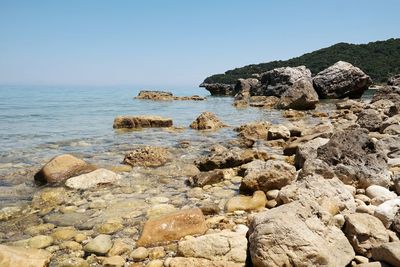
x: 341, y: 80
x: 308, y: 150
x: 92, y: 179
x: 355, y: 158
x: 148, y: 156
x: 23, y: 257
x: 293, y: 235
x: 365, y: 232
x: 145, y: 121
x: 223, y: 246
x: 330, y: 194
x: 394, y: 80
x: 219, y: 88
x: 277, y: 81
x: 172, y: 226
x: 388, y: 93
x: 300, y: 96
x: 265, y: 176
x: 254, y: 130
x: 61, y: 168
x: 229, y: 158
x: 207, y: 121
x: 387, y: 211
x: 249, y: 85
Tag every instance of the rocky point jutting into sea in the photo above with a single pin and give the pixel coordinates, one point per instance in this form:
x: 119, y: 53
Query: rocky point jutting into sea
x: 296, y: 170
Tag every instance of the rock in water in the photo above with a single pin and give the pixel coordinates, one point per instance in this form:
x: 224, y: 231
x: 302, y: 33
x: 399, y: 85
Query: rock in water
x: 277, y: 81
x: 300, y: 96
x: 219, y: 88
x: 165, y: 96
x: 172, y: 226
x: 224, y: 246
x: 148, y: 156
x: 23, y: 257
x: 341, y: 80
x: 247, y: 203
x: 207, y: 121
x: 61, y: 168
x: 100, y: 245
x: 204, y: 178
x: 355, y: 158
x: 293, y: 235
x: 146, y: 121
x: 92, y: 179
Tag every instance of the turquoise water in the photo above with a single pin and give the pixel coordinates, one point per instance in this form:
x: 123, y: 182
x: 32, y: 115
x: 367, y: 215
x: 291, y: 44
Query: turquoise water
x: 37, y: 123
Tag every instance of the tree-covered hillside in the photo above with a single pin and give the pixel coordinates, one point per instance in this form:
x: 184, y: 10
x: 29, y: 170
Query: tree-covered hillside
x: 378, y: 59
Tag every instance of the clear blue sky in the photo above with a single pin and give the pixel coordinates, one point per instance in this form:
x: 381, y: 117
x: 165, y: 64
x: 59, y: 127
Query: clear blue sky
x: 173, y: 42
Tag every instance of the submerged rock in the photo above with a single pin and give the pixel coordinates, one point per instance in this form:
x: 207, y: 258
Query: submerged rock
x: 61, y: 168
x: 247, y: 203
x: 172, y: 226
x: 341, y: 80
x: 292, y: 235
x: 207, y: 178
x: 207, y: 121
x: 145, y: 121
x: 148, y: 156
x: 92, y: 179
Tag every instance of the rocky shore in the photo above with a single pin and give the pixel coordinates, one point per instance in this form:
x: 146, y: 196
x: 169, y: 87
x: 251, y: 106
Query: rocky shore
x: 318, y: 189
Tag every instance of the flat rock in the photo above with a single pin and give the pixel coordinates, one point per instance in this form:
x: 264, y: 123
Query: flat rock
x: 61, y: 168
x: 223, y: 246
x: 23, y: 257
x: 145, y: 121
x: 172, y: 227
x: 92, y: 179
x: 292, y: 235
x: 365, y: 232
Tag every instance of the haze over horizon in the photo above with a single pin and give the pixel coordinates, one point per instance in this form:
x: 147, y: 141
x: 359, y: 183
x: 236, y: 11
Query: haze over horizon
x: 173, y: 43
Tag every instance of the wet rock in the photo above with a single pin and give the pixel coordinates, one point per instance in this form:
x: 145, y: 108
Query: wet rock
x: 23, y: 257
x: 68, y: 219
x: 223, y: 246
x: 49, y: 197
x: 389, y: 252
x: 109, y: 228
x: 172, y: 227
x: 165, y: 96
x: 247, y: 203
x: 229, y: 159
x: 207, y: 121
x: 330, y: 194
x: 350, y: 104
x: 355, y: 158
x: 264, y: 101
x: 92, y: 179
x: 219, y: 89
x: 159, y: 210
x: 300, y: 96
x: 207, y: 178
x: 145, y: 121
x: 365, y: 232
x: 61, y: 168
x: 254, y: 131
x: 387, y: 211
x: 341, y: 80
x: 277, y: 81
x: 276, y: 235
x: 370, y: 119
x: 148, y: 156
x: 265, y: 176
x: 278, y: 132
x: 40, y: 241
x: 100, y: 245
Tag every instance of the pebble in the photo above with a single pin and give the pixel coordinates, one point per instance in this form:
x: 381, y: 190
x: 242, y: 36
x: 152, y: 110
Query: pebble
x: 139, y: 253
x: 155, y: 263
x: 100, y: 245
x: 156, y: 253
x: 40, y: 241
x: 114, y: 261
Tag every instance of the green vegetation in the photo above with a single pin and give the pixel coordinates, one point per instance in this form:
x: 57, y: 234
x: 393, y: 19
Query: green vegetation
x: 379, y: 60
